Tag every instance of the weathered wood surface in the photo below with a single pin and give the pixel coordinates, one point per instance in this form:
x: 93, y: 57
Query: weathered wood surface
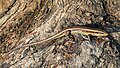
x: 27, y: 21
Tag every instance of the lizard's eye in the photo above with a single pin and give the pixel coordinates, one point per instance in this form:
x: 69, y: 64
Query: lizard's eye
x: 101, y: 33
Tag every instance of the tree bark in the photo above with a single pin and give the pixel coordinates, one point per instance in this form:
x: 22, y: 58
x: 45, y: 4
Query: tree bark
x: 27, y: 21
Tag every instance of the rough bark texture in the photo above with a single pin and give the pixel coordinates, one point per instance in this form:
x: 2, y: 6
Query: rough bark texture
x: 28, y: 21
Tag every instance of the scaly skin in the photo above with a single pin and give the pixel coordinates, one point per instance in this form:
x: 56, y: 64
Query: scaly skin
x: 74, y: 30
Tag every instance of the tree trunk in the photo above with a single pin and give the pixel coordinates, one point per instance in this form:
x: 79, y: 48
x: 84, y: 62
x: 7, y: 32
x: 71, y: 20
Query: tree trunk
x: 28, y: 21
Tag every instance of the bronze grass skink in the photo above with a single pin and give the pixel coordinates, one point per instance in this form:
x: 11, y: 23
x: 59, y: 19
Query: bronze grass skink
x: 73, y: 30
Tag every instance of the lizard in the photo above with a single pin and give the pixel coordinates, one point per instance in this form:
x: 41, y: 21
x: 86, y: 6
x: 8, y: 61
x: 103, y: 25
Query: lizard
x: 73, y: 30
